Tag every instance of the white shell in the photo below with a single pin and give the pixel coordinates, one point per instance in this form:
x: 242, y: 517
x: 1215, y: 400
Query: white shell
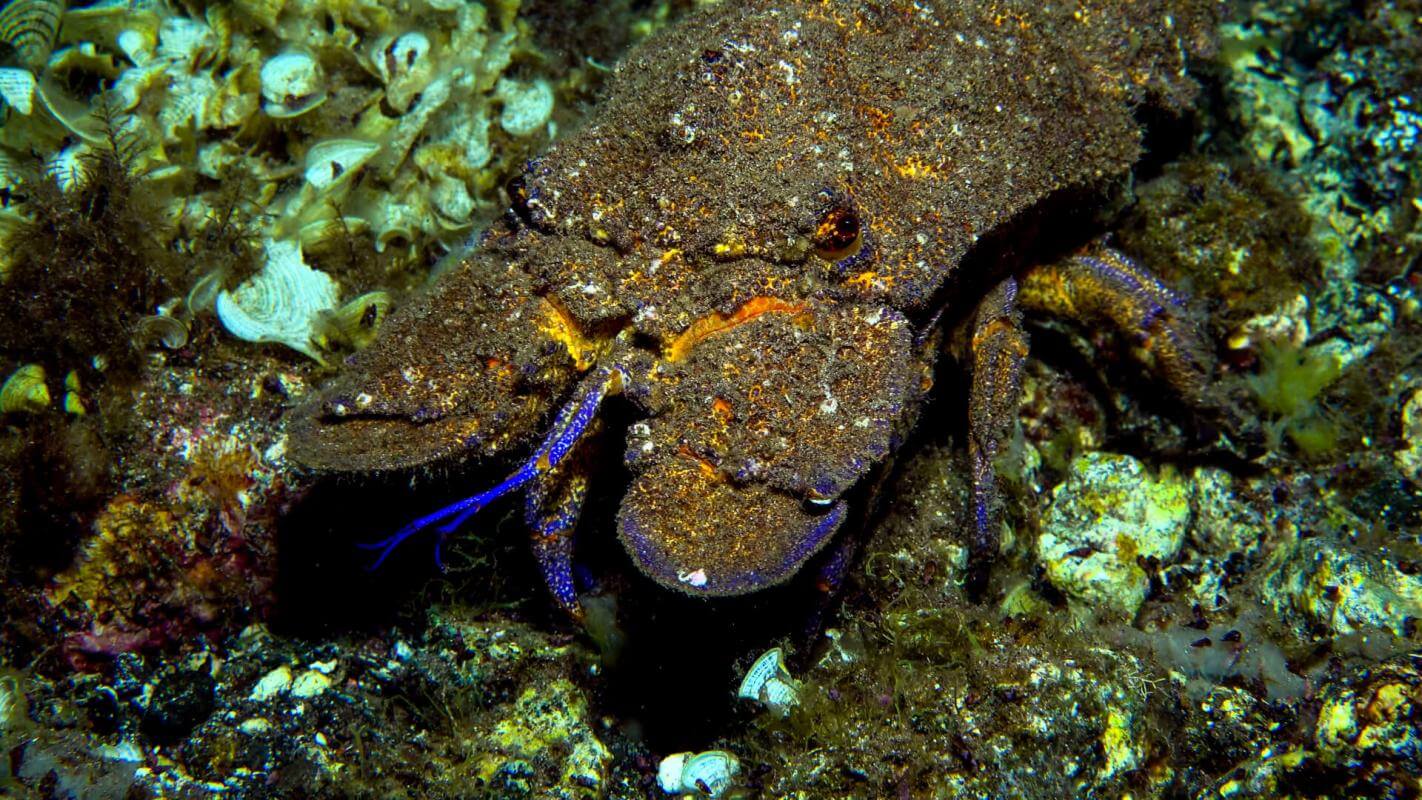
x: 451, y: 200
x: 404, y: 64
x: 292, y: 84
x: 527, y: 106
x: 707, y: 774
x: 137, y: 47
x: 281, y: 303
x: 769, y: 683
x: 17, y: 87
x: 161, y: 329
x: 321, y: 234
x: 187, y: 103
x: 670, y: 770
x: 203, y: 295
x: 333, y: 162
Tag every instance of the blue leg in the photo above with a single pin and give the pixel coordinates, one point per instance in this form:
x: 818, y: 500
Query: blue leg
x: 551, y: 511
x: 572, y: 422
x: 998, y: 347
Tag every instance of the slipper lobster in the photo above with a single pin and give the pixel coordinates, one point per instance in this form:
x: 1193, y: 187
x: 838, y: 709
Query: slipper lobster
x: 759, y: 239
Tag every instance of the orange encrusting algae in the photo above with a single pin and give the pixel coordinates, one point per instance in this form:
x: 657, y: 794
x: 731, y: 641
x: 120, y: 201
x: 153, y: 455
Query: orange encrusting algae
x: 716, y: 322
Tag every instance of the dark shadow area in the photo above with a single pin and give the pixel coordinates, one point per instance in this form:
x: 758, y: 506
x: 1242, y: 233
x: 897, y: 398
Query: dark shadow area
x: 325, y: 584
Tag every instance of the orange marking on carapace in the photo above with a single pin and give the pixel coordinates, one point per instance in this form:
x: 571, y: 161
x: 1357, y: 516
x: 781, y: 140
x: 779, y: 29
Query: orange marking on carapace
x: 716, y: 322
x: 721, y: 409
x: 560, y: 326
x: 708, y: 470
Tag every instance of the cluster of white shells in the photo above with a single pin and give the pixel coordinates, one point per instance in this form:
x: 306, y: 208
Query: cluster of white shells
x: 700, y: 775
x: 347, y: 116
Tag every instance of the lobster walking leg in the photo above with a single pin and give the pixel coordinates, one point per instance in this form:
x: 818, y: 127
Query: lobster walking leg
x: 997, y: 350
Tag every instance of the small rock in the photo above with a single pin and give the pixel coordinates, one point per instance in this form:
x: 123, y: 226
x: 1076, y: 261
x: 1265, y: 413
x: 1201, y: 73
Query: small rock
x: 272, y: 684
x: 1320, y: 584
x: 1107, y: 519
x: 309, y: 684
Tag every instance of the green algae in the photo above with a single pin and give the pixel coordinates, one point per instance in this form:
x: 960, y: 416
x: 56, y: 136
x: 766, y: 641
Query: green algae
x: 1288, y: 385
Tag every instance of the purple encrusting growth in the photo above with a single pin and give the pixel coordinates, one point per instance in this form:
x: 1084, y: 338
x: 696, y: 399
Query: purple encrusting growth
x: 572, y: 422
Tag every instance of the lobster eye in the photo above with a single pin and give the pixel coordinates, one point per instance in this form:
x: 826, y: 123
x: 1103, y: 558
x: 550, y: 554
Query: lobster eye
x: 837, y: 234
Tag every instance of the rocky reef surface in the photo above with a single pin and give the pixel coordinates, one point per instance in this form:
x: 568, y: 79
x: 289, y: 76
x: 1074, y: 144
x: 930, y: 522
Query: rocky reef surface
x: 184, y: 614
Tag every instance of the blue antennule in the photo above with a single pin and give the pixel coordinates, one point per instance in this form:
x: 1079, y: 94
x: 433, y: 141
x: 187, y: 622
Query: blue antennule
x: 572, y: 422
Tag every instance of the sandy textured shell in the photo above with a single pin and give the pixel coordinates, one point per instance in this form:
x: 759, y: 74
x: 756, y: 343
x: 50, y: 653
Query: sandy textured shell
x: 67, y: 166
x: 84, y: 57
x: 355, y: 324
x: 399, y: 141
x: 282, y: 303
x: 75, y: 116
x: 186, y: 109
x: 219, y: 19
x: 186, y: 41
x: 332, y: 163
x: 203, y: 295
x: 9, y: 170
x: 771, y: 664
x: 25, y: 391
x: 17, y: 87
x: 711, y: 772
x: 452, y: 203
x: 138, y: 47
x: 236, y: 100
x: 321, y: 234
x: 29, y: 26
x: 103, y: 21
x: 292, y: 84
x: 768, y: 682
x: 397, y: 227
